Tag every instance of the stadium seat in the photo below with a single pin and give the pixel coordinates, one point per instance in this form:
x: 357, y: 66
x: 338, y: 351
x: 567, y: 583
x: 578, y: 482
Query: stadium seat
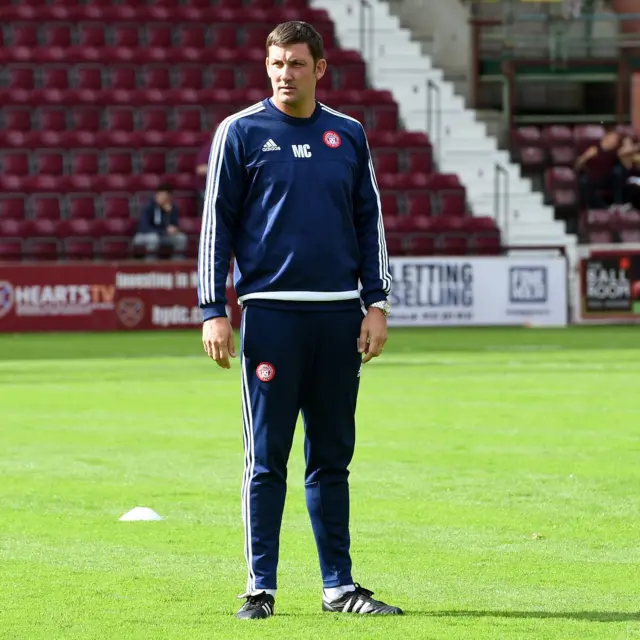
x: 419, y: 204
x: 85, y: 162
x: 125, y: 35
x: 54, y: 77
x: 91, y: 35
x: 78, y: 248
x: 16, y: 119
x: 88, y: 77
x: 81, y: 207
x: 10, y: 249
x: 49, y: 163
x: 114, y: 248
x: 45, y: 207
x: 12, y: 208
x: 116, y: 206
x: 41, y: 249
x: 52, y: 119
x: 189, y: 119
x: 188, y: 35
x: 19, y: 77
x: 154, y: 119
x: 23, y: 35
x: 86, y: 118
x: 152, y: 161
x: 120, y: 119
x: 15, y: 163
x: 118, y: 161
x: 158, y: 35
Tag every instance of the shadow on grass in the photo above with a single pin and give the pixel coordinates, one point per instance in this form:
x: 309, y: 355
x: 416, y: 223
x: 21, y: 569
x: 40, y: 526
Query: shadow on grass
x: 589, y: 616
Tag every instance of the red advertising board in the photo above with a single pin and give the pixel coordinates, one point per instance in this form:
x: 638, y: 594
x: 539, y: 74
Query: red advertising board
x: 102, y: 297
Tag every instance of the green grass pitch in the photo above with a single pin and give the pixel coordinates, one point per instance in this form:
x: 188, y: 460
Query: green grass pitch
x: 495, y: 490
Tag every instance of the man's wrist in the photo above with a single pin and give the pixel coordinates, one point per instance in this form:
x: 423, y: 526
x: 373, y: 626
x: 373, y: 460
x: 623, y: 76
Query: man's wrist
x: 217, y: 310
x: 382, y: 306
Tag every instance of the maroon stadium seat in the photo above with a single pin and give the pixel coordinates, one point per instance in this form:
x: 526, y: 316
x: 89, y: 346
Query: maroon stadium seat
x: 88, y: 77
x: 19, y: 77
x: 125, y: 35
x: 85, y: 162
x: 189, y: 119
x: 158, y: 35
x: 386, y: 161
x: 154, y: 119
x: 189, y: 35
x: 189, y: 77
x: 56, y: 35
x: 54, y: 77
x: 116, y: 205
x: 49, y: 163
x: 78, y: 248
x: 52, y: 119
x: 12, y: 208
x: 419, y: 204
x: 10, y: 249
x: 15, y: 163
x: 118, y: 161
x: 81, y: 207
x: 23, y: 35
x: 114, y: 248
x: 153, y: 161
x: 41, y: 249
x: 120, y: 119
x: 452, y: 203
x: 86, y: 118
x: 45, y: 207
x: 16, y: 118
x: 91, y: 35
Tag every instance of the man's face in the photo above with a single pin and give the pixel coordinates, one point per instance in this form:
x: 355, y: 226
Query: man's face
x: 163, y: 198
x: 610, y: 140
x: 293, y: 73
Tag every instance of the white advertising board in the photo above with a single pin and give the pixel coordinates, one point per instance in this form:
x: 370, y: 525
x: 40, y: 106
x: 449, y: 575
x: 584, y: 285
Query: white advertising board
x: 478, y: 291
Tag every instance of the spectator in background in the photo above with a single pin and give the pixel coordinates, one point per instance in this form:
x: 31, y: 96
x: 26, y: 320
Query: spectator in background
x: 158, y: 224
x: 202, y: 163
x: 600, y: 170
x: 630, y: 160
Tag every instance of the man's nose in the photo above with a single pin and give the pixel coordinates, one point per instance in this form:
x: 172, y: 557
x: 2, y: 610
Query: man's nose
x: 286, y: 73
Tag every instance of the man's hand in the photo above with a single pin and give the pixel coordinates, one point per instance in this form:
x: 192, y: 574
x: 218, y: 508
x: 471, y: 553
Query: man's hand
x: 373, y: 334
x: 217, y: 339
x: 172, y: 229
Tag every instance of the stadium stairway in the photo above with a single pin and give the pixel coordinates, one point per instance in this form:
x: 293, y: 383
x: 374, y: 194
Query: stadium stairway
x: 461, y: 143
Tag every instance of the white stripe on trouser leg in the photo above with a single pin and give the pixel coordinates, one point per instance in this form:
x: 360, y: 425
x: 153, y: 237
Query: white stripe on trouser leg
x: 249, y: 461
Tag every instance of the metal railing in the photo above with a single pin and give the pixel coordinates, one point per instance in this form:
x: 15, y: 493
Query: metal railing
x: 367, y: 16
x: 434, y: 116
x: 502, y: 218
x: 547, y: 34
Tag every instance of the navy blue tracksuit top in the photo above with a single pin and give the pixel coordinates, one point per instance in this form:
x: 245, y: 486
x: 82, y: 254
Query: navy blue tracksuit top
x: 295, y: 200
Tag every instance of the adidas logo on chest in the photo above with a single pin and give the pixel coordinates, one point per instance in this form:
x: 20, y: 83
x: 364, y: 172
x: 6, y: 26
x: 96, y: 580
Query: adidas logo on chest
x: 270, y: 145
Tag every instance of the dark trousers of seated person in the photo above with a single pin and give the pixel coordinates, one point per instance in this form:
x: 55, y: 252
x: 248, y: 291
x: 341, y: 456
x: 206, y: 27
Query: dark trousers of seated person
x: 594, y: 189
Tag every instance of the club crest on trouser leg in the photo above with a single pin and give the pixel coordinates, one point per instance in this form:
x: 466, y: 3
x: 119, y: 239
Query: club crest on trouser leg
x: 265, y: 371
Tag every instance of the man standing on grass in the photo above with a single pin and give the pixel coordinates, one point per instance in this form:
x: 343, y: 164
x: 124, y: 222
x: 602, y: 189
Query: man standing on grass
x: 291, y: 191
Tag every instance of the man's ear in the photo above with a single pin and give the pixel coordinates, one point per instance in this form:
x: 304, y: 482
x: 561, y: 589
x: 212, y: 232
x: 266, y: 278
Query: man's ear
x: 321, y: 68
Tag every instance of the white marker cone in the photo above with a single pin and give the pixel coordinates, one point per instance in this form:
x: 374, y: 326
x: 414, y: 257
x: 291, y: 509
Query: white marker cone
x: 140, y: 513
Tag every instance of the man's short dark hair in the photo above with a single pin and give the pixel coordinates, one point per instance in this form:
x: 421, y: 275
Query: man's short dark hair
x: 164, y: 187
x: 296, y: 32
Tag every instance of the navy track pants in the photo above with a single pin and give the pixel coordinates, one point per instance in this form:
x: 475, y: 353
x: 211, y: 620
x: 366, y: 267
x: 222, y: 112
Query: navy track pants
x: 292, y: 362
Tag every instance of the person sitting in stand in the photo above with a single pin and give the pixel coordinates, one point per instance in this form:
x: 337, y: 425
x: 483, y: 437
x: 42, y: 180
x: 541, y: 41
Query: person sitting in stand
x: 158, y: 225
x: 600, y: 170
